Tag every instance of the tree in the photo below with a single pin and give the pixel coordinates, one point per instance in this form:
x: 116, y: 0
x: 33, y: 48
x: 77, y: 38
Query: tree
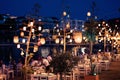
x: 63, y: 63
x: 91, y: 32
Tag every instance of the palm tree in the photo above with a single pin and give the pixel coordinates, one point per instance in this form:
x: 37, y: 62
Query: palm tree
x: 91, y: 32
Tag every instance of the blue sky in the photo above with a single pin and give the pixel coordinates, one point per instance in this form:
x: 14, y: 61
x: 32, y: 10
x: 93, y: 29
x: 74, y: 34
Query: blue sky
x: 78, y: 8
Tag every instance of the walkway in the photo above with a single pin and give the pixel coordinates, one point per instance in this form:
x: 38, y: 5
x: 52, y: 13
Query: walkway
x: 113, y: 73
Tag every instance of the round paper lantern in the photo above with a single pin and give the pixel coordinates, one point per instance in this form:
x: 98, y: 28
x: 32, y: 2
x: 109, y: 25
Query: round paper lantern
x: 21, y: 34
x: 42, y: 40
x: 16, y: 39
x: 54, y: 37
x: 35, y: 48
x: 77, y: 36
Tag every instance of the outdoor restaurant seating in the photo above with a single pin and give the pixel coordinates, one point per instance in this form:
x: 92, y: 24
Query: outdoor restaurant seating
x: 39, y: 72
x: 2, y: 75
x: 8, y: 71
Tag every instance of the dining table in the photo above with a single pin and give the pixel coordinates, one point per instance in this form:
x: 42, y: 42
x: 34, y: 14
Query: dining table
x: 43, y: 76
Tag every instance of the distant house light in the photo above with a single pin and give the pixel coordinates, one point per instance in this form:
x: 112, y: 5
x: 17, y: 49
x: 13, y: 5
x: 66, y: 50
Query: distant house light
x: 82, y: 26
x: 39, y: 19
x: 83, y: 30
x: 46, y: 30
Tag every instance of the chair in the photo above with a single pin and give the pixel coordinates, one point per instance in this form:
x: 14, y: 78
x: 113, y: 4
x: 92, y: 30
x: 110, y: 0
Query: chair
x: 3, y: 76
x: 117, y: 57
x: 85, y: 70
x: 28, y: 77
x: 34, y: 77
x: 105, y: 65
x: 98, y: 68
x: 3, y: 68
x: 7, y: 71
x: 67, y: 76
x: 10, y: 73
x: 54, y: 77
x: 43, y: 78
x: 19, y: 70
x: 76, y: 74
x: 82, y: 72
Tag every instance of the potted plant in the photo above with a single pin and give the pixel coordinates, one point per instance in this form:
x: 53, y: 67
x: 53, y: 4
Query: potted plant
x: 91, y: 31
x: 63, y: 63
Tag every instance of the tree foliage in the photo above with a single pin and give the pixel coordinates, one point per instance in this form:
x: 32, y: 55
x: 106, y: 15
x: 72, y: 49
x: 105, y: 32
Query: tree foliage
x: 64, y: 62
x: 91, y: 29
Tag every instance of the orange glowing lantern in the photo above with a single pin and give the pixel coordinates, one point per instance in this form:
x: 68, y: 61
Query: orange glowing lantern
x: 35, y: 48
x: 77, y: 36
x: 16, y: 39
x: 42, y: 40
x: 22, y: 34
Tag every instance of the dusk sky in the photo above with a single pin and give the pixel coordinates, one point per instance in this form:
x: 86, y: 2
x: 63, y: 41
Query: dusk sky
x: 104, y: 9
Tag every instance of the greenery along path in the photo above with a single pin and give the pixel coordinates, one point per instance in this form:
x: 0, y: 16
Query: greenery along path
x: 113, y: 73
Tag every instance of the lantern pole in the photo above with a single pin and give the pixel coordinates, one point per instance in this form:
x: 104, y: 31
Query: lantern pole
x: 64, y: 50
x: 28, y: 43
x: 64, y: 33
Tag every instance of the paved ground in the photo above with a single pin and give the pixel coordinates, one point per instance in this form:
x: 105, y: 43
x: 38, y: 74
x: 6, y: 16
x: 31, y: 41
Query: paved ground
x: 112, y: 74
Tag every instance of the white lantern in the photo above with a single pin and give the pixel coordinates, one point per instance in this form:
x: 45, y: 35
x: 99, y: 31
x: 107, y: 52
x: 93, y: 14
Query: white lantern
x: 24, y: 28
x: 88, y: 14
x: 39, y: 28
x: 33, y: 30
x: 22, y: 53
x: 68, y: 36
x: 23, y: 40
x: 64, y: 13
x: 70, y: 40
x: 31, y: 24
x: 57, y: 40
x: 18, y: 45
x: 68, y: 25
x: 62, y: 41
x: 96, y: 38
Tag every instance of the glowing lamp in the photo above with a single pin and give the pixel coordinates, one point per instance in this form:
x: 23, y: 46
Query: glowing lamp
x: 77, y: 36
x: 57, y: 40
x: 35, y: 48
x: 16, y: 39
x: 21, y: 34
x: 42, y: 40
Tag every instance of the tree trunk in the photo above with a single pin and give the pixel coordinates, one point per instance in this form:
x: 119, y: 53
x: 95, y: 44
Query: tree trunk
x: 61, y: 76
x: 91, y: 47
